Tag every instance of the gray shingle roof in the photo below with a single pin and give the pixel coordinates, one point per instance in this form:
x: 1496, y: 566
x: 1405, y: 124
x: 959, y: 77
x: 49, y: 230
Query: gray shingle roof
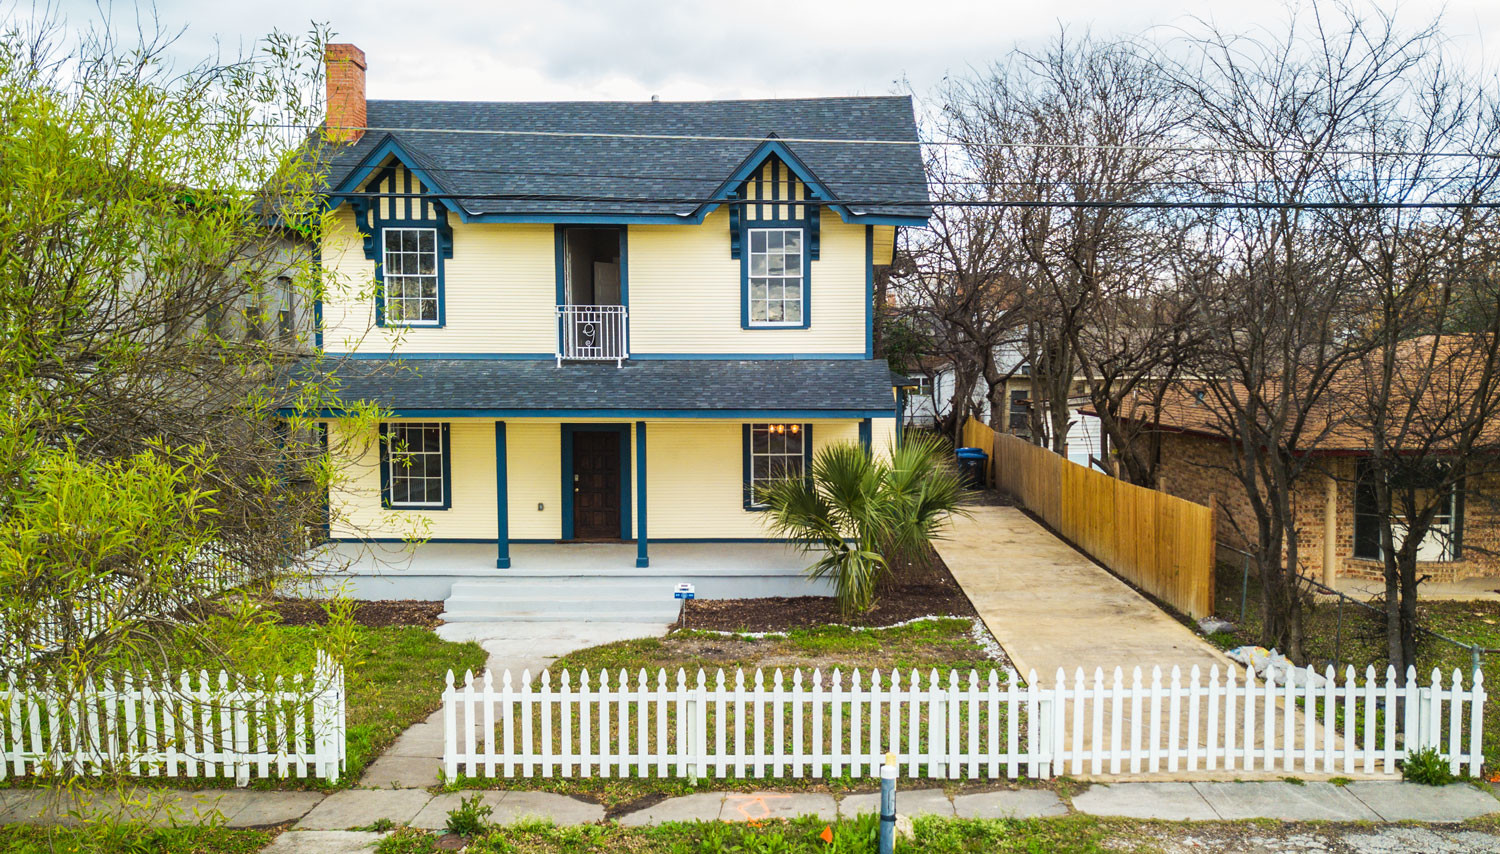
x: 652, y: 169
x: 679, y: 386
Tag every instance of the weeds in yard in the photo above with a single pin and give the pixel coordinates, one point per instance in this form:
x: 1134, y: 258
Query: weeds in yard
x: 407, y: 840
x: 470, y: 817
x: 1428, y: 767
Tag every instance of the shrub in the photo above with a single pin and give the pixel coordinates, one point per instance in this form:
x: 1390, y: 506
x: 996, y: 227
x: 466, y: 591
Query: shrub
x: 1427, y: 767
x: 863, y: 511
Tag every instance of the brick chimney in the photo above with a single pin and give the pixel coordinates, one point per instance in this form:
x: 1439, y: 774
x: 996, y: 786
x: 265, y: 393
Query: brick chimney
x: 345, y: 66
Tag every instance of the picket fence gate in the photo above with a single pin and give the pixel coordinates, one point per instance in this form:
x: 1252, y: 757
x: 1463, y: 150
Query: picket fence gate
x: 969, y: 727
x: 160, y: 726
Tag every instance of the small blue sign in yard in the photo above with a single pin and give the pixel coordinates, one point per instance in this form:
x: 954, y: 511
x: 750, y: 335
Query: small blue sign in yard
x: 684, y: 591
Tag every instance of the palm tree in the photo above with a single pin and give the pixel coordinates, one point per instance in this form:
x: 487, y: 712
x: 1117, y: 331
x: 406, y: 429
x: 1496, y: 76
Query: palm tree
x: 863, y: 511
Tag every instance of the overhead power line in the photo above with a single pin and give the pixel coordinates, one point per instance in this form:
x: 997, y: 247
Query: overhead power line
x: 813, y: 140
x: 959, y: 203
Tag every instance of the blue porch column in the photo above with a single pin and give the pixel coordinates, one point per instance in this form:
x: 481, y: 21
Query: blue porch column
x: 502, y: 500
x: 641, y: 558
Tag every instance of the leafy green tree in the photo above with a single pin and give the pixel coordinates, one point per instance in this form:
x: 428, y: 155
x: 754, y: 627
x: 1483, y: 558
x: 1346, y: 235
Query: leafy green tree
x: 862, y: 512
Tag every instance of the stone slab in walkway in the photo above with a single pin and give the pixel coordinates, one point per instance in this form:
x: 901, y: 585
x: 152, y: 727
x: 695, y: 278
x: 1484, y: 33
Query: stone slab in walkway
x: 703, y: 806
x: 364, y: 807
x: 1163, y: 801
x: 1010, y: 803
x: 910, y: 802
x: 1410, y: 802
x: 323, y: 842
x: 1284, y: 801
x: 758, y: 806
x: 262, y: 809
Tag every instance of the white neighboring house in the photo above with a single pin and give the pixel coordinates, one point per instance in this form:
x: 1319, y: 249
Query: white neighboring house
x: 933, y: 398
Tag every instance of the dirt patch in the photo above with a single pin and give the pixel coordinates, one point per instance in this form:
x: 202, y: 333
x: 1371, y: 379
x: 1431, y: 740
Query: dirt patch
x: 921, y: 589
x: 378, y: 614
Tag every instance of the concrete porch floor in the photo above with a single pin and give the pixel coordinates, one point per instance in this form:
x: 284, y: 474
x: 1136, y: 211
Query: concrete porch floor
x: 370, y: 570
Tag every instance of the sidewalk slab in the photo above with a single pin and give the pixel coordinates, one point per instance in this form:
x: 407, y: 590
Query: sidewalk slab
x: 322, y: 842
x: 362, y: 807
x: 757, y: 806
x: 1010, y: 803
x: 1284, y: 801
x: 434, y: 816
x: 402, y: 772
x: 559, y: 809
x: 704, y: 806
x: 1165, y: 801
x: 914, y: 802
x: 1396, y: 801
x: 268, y: 808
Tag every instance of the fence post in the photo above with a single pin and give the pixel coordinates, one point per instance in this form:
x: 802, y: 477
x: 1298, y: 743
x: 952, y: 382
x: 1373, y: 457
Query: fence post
x: 1473, y: 661
x: 1338, y: 630
x: 1244, y: 586
x: 450, y: 731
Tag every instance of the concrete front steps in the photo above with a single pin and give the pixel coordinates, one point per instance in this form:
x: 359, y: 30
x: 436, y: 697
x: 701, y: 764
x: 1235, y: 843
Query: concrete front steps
x: 640, y: 595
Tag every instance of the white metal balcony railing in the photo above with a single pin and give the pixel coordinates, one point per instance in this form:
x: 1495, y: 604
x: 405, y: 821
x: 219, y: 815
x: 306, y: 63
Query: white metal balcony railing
x: 592, y: 333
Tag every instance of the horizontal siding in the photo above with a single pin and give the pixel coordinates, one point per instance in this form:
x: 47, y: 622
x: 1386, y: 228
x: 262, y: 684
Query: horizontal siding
x: 357, y: 497
x: 882, y: 435
x: 500, y: 292
x: 694, y: 475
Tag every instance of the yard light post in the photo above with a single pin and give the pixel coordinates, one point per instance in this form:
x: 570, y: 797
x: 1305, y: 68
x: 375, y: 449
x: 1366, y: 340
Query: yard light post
x: 888, y: 804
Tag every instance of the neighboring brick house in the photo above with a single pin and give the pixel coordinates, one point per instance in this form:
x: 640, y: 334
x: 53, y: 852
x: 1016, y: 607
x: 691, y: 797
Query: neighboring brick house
x: 1196, y: 464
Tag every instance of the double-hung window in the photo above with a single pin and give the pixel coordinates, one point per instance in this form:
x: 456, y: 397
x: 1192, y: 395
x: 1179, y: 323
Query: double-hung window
x: 414, y: 465
x: 777, y: 278
x: 409, y: 273
x: 774, y: 452
x: 1441, y: 542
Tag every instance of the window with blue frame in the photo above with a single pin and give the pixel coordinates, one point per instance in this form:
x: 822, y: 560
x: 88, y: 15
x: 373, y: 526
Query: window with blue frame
x: 415, y: 470
x: 774, y: 451
x: 409, y: 275
x: 776, y: 276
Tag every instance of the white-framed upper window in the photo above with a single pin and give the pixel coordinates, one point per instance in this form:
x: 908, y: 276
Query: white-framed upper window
x: 776, y: 277
x: 414, y: 460
x: 776, y: 451
x: 410, y: 275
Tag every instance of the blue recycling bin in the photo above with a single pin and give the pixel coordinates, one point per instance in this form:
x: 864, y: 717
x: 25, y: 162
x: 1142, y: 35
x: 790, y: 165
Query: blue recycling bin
x: 972, y: 463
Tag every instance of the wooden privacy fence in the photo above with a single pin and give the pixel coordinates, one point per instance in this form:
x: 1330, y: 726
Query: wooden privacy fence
x: 1163, y: 544
x: 159, y: 726
x: 976, y: 435
x: 967, y: 726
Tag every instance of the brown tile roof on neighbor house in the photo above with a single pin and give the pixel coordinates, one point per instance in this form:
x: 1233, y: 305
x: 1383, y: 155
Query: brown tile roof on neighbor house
x: 1446, y: 374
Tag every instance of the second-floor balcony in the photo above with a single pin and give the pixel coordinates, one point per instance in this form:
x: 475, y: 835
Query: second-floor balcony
x: 592, y: 333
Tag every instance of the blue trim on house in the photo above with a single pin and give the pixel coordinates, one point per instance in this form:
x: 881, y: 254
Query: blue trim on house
x: 748, y: 227
x: 385, y: 473
x: 568, y: 430
x: 547, y: 357
x: 900, y: 412
x: 629, y: 414
x: 820, y: 195
x: 444, y: 245
x: 327, y: 525
x: 866, y: 434
x: 541, y: 542
x: 508, y: 357
x: 374, y: 161
x: 642, y: 558
x: 502, y: 499
x: 869, y: 292
x: 745, y: 442
x: 418, y: 541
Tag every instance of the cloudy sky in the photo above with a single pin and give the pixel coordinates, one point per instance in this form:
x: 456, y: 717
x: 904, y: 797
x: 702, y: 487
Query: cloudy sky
x: 596, y: 49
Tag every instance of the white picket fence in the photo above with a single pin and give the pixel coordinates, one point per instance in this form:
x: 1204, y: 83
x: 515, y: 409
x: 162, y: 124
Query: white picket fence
x: 975, y: 726
x: 178, y: 727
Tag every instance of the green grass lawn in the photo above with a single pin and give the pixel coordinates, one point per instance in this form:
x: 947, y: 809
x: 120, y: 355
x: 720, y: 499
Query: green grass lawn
x: 395, y: 680
x: 1356, y: 636
x: 945, y: 645
x: 129, y: 839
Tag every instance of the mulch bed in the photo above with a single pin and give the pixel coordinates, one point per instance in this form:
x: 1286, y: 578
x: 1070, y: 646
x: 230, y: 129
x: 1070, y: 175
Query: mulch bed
x: 388, y: 612
x: 923, y: 589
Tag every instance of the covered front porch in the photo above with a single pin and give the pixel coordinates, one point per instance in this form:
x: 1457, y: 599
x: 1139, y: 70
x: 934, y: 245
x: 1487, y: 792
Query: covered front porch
x: 430, y: 570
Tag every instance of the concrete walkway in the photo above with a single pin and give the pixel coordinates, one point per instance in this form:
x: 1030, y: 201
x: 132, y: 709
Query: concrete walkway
x: 326, y: 817
x: 415, y: 758
x: 1051, y: 607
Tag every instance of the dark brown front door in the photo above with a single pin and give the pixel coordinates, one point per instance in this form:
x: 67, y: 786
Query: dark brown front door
x: 596, y: 485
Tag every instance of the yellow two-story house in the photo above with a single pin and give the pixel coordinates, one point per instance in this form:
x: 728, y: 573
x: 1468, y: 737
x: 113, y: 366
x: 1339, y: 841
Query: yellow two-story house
x: 601, y: 321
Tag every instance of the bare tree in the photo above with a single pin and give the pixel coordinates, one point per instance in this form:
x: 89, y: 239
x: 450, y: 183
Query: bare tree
x: 1279, y: 297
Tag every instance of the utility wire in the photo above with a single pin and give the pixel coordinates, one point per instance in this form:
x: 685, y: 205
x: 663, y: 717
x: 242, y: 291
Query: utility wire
x: 1007, y: 144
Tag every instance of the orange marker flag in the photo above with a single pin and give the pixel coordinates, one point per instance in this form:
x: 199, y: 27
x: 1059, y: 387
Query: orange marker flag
x: 827, y: 834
